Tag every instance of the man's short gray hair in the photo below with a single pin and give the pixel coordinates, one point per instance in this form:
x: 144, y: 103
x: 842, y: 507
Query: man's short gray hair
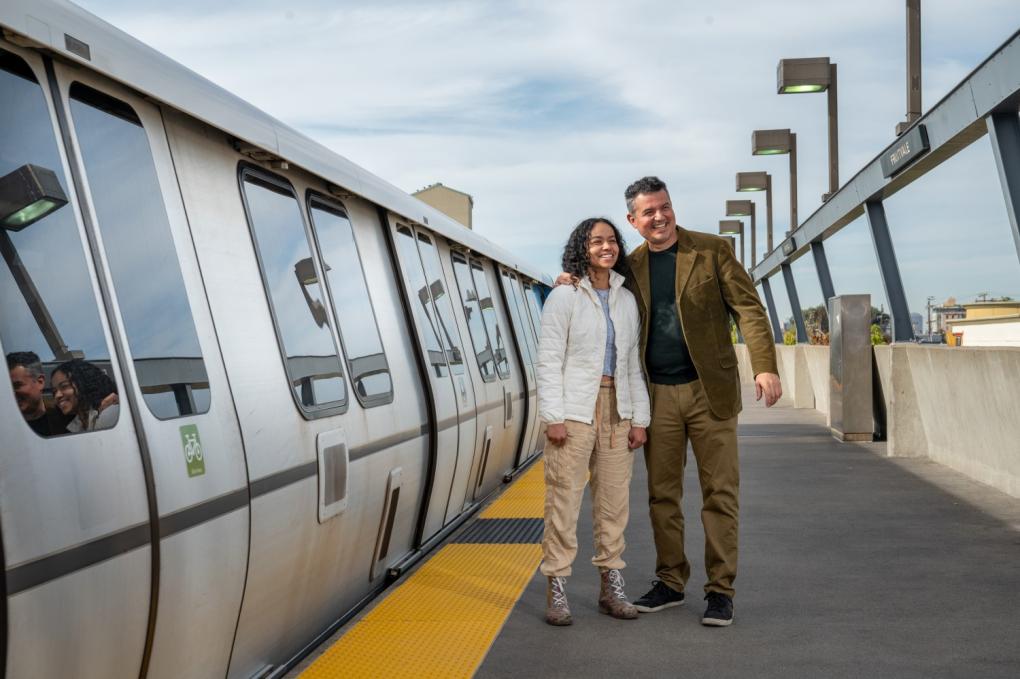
x: 29, y: 360
x: 643, y: 185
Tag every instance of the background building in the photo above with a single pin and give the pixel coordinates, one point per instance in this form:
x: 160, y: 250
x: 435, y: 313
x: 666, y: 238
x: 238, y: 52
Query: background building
x: 991, y: 323
x: 451, y: 202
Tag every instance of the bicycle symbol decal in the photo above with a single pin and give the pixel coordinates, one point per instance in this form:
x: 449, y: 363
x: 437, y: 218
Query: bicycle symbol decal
x: 194, y: 456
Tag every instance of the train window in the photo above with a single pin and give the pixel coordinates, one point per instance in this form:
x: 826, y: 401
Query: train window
x: 295, y: 297
x: 534, y: 306
x: 519, y: 321
x: 473, y: 313
x: 345, y: 279
x: 140, y: 251
x: 529, y: 314
x: 492, y: 324
x: 49, y: 318
x: 444, y: 309
x: 421, y: 301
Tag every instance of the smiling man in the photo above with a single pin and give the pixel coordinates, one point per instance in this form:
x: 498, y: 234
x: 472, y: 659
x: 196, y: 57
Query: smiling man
x: 28, y: 382
x: 688, y: 285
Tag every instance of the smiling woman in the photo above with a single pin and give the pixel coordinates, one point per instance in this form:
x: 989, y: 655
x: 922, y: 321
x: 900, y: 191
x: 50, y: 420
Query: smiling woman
x: 593, y: 397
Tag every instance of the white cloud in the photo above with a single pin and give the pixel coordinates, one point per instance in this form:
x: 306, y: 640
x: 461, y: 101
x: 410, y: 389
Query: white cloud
x: 544, y: 111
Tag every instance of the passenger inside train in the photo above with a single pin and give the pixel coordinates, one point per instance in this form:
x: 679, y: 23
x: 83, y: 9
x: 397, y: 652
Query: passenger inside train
x: 28, y: 379
x: 86, y: 394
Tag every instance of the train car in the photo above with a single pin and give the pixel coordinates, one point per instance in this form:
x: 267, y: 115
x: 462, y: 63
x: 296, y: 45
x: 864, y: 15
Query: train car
x: 251, y: 382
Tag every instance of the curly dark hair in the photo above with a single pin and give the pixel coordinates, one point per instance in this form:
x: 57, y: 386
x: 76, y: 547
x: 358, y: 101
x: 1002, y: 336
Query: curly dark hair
x: 90, y: 383
x: 575, y: 252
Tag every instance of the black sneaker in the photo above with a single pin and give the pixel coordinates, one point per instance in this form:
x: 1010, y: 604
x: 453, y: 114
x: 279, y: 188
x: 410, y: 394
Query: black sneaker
x: 719, y: 612
x: 658, y: 597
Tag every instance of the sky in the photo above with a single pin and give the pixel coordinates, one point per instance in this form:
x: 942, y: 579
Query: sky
x: 545, y: 111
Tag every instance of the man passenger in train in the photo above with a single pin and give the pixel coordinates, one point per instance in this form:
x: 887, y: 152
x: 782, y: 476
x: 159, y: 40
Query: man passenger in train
x: 28, y: 381
x: 688, y: 286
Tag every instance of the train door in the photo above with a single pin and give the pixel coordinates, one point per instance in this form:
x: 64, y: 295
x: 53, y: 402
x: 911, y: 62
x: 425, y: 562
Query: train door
x: 174, y: 377
x: 503, y: 455
x: 489, y: 395
x: 444, y: 362
x: 527, y: 351
x: 442, y: 295
x: 532, y: 301
x: 76, y: 511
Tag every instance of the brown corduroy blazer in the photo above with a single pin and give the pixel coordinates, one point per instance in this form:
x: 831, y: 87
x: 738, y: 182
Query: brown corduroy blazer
x: 711, y: 286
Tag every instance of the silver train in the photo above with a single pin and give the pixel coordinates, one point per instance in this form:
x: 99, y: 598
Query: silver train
x: 318, y: 376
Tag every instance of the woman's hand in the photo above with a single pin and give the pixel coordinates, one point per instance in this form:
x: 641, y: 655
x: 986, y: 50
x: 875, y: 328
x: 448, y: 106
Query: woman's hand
x: 637, y: 437
x: 557, y: 434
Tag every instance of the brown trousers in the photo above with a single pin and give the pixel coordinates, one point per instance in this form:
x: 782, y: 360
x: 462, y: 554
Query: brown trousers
x: 680, y: 413
x: 599, y: 448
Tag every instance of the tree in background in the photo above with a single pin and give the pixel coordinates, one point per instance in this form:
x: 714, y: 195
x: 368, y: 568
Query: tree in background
x: 877, y: 337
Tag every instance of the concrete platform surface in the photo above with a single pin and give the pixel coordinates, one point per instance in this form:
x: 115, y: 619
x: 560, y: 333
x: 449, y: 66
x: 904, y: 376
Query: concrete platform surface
x: 851, y: 565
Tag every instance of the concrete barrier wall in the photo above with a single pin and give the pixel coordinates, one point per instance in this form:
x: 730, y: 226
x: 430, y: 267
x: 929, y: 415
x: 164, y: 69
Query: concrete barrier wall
x: 958, y: 406
x: 803, y: 371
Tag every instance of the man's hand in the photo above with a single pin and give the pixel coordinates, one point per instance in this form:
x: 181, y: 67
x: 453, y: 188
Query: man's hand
x: 767, y: 384
x: 556, y: 433
x: 110, y: 400
x: 637, y: 437
x: 566, y: 279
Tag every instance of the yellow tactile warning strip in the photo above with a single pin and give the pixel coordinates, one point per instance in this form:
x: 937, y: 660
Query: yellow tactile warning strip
x: 524, y: 499
x: 442, y: 621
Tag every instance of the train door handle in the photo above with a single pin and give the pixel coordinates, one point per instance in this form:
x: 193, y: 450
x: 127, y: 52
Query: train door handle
x: 463, y: 391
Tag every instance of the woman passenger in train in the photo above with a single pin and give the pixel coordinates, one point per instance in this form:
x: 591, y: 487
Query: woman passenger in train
x: 592, y: 395
x: 86, y: 392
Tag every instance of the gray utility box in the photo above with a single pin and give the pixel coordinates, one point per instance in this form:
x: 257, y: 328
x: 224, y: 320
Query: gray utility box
x: 850, y: 396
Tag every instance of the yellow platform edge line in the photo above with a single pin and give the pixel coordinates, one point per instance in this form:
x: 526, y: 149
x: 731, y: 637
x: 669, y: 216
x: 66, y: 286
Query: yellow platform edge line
x: 442, y: 621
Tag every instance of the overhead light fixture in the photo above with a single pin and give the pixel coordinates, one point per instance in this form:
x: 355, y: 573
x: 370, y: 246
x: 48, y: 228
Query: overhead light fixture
x: 739, y: 208
x: 815, y: 74
x: 771, y: 142
x: 759, y: 181
x: 27, y: 195
x: 745, y: 208
x: 752, y: 181
x: 797, y: 76
x: 775, y: 142
x: 730, y: 228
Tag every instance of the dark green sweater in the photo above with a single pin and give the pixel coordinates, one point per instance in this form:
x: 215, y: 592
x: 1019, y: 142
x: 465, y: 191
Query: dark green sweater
x: 666, y: 357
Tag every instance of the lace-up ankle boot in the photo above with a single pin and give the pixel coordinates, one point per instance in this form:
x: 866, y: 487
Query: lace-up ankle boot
x: 557, y: 610
x: 612, y: 599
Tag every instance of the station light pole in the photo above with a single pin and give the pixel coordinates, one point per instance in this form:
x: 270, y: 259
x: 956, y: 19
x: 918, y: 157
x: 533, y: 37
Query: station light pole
x: 744, y: 208
x: 913, y: 66
x: 759, y: 181
x: 732, y: 228
x: 815, y: 74
x: 778, y: 142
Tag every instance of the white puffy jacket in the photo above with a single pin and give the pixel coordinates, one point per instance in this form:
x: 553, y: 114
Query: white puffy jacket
x: 572, y: 349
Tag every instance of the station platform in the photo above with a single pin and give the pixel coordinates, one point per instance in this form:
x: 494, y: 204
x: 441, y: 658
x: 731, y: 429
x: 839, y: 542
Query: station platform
x: 852, y: 564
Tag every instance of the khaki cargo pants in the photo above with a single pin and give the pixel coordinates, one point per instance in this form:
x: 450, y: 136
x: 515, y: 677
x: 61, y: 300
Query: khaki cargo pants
x: 680, y: 413
x: 601, y: 449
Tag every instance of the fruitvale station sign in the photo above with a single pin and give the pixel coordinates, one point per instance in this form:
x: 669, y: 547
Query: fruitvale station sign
x: 905, y: 151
